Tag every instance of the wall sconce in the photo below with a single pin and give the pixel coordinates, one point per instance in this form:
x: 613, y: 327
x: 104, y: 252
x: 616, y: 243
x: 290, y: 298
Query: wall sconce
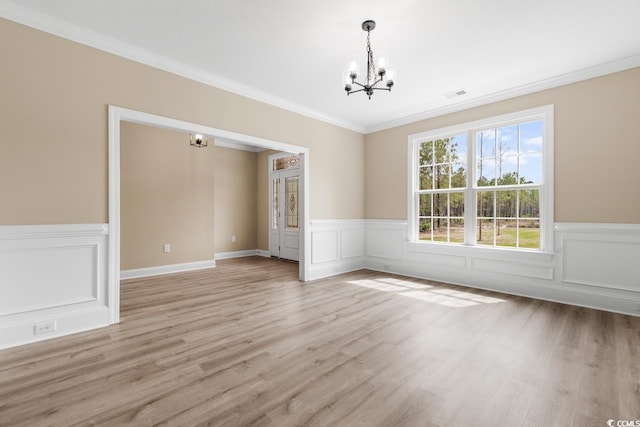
x: 198, y: 140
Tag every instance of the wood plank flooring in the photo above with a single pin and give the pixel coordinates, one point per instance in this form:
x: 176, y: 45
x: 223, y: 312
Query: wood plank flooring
x: 247, y: 344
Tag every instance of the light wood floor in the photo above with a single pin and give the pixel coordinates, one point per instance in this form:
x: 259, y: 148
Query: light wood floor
x: 247, y: 344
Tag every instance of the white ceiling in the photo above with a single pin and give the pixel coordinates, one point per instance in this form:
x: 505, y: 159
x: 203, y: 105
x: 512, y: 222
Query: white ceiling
x: 291, y: 53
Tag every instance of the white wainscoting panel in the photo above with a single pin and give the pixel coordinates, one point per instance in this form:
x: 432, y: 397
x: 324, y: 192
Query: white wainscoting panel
x: 352, y: 242
x: 601, y: 255
x: 526, y: 269
x: 385, y: 239
x: 24, y: 282
x: 57, y: 273
x: 336, y: 247
x: 593, y: 265
x: 52, y: 273
x: 324, y: 246
x: 437, y: 260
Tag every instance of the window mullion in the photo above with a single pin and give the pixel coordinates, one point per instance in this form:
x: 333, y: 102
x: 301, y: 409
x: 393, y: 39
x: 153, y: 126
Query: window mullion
x: 517, y: 218
x: 415, y: 230
x: 495, y: 218
x: 469, y: 194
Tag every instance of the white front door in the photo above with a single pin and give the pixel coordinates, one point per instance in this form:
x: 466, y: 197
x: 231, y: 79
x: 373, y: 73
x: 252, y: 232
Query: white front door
x: 285, y: 214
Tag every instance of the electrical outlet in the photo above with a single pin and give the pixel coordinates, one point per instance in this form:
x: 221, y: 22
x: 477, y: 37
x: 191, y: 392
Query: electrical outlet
x: 44, y: 327
x: 233, y: 239
x: 166, y: 248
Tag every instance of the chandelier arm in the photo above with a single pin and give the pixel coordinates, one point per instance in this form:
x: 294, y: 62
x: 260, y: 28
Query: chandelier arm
x: 381, y: 88
x: 359, y: 84
x: 354, y: 91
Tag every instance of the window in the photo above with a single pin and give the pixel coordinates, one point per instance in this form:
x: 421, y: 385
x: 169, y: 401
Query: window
x: 290, y: 200
x: 488, y: 183
x: 286, y: 162
x: 291, y: 197
x: 442, y: 180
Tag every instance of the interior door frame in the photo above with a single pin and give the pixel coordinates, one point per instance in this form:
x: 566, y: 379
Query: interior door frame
x: 301, y: 195
x: 119, y: 114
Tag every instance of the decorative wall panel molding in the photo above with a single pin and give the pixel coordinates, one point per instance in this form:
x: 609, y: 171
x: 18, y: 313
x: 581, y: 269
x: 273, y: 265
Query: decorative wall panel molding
x: 594, y: 265
x: 600, y: 255
x: 27, y: 288
x: 385, y: 239
x: 336, y: 247
x: 56, y: 274
x: 53, y: 274
x: 325, y: 246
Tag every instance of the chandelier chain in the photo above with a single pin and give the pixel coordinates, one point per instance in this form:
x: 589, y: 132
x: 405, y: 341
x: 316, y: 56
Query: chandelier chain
x: 371, y: 69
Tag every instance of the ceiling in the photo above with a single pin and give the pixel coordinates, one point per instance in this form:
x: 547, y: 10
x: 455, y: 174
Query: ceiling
x: 291, y: 53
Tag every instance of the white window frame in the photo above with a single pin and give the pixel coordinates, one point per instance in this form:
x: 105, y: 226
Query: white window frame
x: 545, y: 114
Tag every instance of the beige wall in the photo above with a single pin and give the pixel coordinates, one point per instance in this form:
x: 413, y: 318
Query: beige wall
x: 53, y: 139
x: 167, y: 196
x: 194, y: 199
x: 597, y: 150
x: 235, y: 199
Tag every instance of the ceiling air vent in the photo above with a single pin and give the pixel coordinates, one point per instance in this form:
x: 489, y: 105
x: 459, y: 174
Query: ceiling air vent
x: 455, y: 93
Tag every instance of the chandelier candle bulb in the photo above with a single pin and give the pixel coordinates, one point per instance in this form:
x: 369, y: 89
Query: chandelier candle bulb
x: 382, y: 66
x: 391, y: 76
x: 347, y: 80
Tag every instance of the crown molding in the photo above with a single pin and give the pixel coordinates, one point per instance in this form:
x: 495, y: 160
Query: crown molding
x: 57, y: 27
x: 561, y: 80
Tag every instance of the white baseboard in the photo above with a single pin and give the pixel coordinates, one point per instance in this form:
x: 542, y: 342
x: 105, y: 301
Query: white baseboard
x: 166, y: 269
x: 263, y: 253
x: 237, y: 254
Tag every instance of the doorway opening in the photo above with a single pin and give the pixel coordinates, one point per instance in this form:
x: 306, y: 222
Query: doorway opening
x: 118, y: 115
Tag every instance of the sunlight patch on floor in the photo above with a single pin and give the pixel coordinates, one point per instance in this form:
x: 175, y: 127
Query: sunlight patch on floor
x: 446, y: 297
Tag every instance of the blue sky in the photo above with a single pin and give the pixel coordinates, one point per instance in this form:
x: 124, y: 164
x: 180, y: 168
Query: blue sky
x: 520, y: 153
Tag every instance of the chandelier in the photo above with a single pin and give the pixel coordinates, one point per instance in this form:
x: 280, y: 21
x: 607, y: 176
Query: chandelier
x: 374, y: 77
x: 198, y: 140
